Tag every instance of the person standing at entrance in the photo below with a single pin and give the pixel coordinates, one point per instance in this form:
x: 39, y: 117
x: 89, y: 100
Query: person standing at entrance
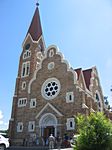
x: 59, y: 142
x: 51, y: 140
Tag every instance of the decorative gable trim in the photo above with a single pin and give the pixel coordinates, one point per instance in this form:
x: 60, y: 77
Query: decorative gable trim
x: 89, y: 93
x: 69, y: 68
x: 29, y: 36
x: 83, y: 79
x: 62, y: 60
x: 52, y: 107
x: 34, y: 77
x: 84, y: 106
x: 80, y: 78
x: 92, y: 110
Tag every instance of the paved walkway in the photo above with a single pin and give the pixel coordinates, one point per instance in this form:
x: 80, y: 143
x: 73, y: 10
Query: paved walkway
x: 65, y: 149
x: 35, y: 148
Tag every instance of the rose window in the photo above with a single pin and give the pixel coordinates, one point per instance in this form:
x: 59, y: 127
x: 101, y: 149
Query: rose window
x: 50, y: 88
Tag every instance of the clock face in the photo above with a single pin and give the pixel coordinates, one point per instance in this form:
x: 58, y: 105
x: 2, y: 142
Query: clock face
x: 27, y: 46
x: 50, y: 88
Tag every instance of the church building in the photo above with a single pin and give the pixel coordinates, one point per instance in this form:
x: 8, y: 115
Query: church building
x: 49, y: 92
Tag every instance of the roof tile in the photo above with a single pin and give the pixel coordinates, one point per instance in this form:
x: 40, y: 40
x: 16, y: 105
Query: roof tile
x: 87, y: 77
x: 35, y: 29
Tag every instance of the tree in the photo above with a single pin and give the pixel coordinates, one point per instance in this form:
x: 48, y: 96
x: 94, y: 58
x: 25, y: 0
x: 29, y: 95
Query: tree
x: 95, y: 132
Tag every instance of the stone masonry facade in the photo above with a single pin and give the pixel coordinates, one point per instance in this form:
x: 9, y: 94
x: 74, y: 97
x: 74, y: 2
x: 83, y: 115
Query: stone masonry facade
x: 49, y: 93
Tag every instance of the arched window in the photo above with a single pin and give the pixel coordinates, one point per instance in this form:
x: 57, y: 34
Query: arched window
x: 99, y: 102
x: 25, y: 69
x: 97, y: 97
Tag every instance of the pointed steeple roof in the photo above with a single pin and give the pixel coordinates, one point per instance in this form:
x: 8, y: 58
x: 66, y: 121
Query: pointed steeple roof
x: 35, y: 29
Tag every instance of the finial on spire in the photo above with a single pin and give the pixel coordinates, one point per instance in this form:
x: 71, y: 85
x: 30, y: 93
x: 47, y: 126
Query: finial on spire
x: 37, y: 4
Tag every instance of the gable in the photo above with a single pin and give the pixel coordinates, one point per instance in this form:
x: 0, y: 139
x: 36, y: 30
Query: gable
x: 87, y: 77
x: 52, y: 107
x: 80, y: 78
x: 52, y: 64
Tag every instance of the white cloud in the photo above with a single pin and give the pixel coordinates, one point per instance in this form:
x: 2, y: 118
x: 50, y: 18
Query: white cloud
x: 6, y: 123
x: 1, y: 122
x: 3, y: 125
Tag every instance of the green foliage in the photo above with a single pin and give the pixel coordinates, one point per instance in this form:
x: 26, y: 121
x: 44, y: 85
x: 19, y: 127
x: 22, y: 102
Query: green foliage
x: 4, y: 133
x: 95, y: 132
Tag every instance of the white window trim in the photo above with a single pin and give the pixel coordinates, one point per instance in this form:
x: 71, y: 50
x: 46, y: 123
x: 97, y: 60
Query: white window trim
x: 68, y: 124
x: 23, y: 83
x: 22, y: 102
x: 31, y: 103
x: 25, y: 63
x: 39, y: 55
x: 51, y: 53
x: 100, y: 108
x: 25, y: 56
x: 43, y: 88
x: 51, y: 65
x: 96, y: 82
x: 30, y: 126
x: 20, y: 124
x: 68, y: 96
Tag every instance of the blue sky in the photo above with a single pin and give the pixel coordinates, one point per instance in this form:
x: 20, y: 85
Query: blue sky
x: 82, y: 29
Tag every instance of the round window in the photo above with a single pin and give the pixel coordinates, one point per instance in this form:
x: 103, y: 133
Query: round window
x: 50, y: 88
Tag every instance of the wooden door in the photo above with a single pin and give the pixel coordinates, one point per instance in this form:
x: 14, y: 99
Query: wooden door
x: 49, y: 130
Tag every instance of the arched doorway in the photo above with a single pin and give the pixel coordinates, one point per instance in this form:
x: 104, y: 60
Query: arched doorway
x: 48, y: 125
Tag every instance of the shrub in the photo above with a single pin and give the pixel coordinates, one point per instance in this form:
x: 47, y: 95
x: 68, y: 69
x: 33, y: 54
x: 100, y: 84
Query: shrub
x: 95, y: 132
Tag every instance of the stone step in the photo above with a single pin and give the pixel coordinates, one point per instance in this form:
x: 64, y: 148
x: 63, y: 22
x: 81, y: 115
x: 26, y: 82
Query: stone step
x: 27, y: 148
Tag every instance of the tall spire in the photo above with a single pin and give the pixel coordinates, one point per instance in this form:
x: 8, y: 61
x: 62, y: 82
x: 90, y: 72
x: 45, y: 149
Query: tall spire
x: 35, y: 29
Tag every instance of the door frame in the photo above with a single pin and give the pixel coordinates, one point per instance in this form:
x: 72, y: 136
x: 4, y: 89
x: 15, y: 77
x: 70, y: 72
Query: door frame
x: 47, y: 120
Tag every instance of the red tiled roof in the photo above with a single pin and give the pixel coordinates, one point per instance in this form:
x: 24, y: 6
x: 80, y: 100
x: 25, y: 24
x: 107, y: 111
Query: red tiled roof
x: 35, y: 29
x: 78, y: 71
x: 87, y: 77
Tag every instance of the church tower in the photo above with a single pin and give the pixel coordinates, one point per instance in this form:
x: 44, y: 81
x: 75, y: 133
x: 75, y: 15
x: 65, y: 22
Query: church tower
x: 30, y: 59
